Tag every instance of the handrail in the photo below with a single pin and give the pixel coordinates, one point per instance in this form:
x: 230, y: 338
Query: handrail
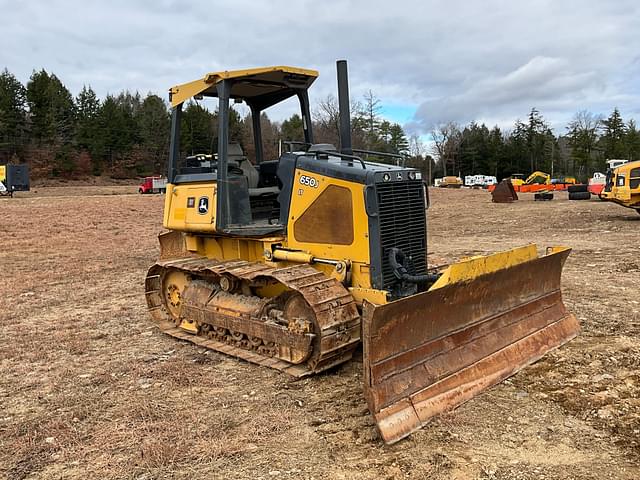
x: 341, y: 155
x: 291, y: 143
x: 382, y: 154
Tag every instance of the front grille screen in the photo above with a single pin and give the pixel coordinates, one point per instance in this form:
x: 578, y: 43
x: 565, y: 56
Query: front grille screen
x: 402, y: 225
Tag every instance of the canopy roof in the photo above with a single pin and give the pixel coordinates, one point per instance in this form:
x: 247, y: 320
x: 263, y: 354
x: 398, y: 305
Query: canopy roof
x: 261, y: 87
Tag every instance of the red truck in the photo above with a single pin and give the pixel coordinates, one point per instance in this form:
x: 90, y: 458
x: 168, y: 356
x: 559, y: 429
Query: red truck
x: 597, y: 183
x: 156, y: 184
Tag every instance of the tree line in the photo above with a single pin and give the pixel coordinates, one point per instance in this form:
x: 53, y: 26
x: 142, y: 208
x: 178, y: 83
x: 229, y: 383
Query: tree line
x: 43, y: 124
x: 588, y: 141
x: 126, y: 135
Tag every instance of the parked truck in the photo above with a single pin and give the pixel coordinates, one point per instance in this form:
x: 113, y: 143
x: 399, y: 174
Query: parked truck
x: 156, y: 184
x: 14, y: 178
x: 596, y: 183
x: 479, y: 180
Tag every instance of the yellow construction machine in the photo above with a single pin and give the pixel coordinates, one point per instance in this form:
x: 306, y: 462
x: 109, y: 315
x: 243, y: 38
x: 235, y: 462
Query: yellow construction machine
x: 516, y: 179
x: 451, y: 182
x: 538, y: 177
x: 293, y: 263
x: 622, y: 186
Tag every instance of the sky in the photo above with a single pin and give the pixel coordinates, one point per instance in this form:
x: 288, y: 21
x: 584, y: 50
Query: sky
x: 427, y: 61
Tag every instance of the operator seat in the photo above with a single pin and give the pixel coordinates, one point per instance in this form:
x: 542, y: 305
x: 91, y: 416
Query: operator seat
x: 235, y: 154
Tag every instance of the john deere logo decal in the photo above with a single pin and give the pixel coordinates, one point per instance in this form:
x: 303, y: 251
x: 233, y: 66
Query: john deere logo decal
x: 203, y: 205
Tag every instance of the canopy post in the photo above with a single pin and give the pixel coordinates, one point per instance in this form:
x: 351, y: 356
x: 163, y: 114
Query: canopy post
x: 257, y: 133
x: 223, y: 208
x: 303, y: 96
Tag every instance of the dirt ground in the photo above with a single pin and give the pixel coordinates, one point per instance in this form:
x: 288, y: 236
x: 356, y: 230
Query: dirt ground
x: 90, y: 389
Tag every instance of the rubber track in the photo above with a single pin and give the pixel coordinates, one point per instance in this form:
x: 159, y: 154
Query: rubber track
x: 333, y: 305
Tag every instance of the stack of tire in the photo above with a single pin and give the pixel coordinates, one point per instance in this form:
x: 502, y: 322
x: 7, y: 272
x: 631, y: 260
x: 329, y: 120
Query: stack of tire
x: 543, y: 196
x: 578, y: 192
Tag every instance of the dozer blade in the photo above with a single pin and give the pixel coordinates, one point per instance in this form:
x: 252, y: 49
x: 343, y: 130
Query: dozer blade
x: 504, y: 192
x: 483, y: 320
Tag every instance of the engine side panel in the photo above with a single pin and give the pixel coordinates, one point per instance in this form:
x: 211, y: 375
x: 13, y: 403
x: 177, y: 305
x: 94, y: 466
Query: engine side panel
x: 343, y: 209
x: 190, y: 207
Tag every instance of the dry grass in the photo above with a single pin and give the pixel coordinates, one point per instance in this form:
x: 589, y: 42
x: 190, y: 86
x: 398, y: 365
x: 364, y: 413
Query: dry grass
x: 90, y: 389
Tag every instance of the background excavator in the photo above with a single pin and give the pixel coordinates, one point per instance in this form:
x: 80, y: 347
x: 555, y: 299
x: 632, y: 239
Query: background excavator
x: 293, y: 263
x: 540, y: 182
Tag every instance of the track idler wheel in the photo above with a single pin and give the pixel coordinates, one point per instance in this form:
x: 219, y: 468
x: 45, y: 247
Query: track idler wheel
x: 173, y: 285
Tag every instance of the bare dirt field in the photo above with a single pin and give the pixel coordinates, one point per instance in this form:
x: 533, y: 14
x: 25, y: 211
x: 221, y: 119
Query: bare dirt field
x: 90, y: 389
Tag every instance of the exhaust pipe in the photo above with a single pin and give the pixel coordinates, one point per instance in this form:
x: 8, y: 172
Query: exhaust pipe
x: 343, y: 105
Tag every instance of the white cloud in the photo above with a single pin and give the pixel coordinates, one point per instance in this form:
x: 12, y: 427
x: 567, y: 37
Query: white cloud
x: 451, y: 60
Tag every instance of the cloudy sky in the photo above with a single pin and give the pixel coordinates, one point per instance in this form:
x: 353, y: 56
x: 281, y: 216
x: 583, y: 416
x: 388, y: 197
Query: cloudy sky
x: 428, y: 61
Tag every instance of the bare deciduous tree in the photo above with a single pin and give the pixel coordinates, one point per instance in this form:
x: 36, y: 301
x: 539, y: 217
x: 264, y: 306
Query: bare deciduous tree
x: 416, y: 146
x: 583, y: 137
x: 446, y: 144
x: 327, y: 115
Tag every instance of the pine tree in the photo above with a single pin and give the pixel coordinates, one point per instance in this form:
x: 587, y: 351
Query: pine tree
x: 13, y: 115
x: 538, y: 135
x: 128, y: 107
x: 632, y: 141
x: 108, y: 131
x: 51, y: 109
x: 381, y: 140
x: 517, y: 150
x: 38, y: 100
x: 495, y: 151
x: 62, y: 113
x: 613, y: 135
x: 474, y: 150
x: 398, y: 140
x: 236, y: 128
x: 197, y: 131
x: 371, y: 116
x: 117, y: 128
x: 292, y: 129
x: 87, y: 111
x: 153, y: 123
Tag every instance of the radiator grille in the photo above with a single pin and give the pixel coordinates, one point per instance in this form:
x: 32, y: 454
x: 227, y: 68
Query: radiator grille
x: 401, y: 210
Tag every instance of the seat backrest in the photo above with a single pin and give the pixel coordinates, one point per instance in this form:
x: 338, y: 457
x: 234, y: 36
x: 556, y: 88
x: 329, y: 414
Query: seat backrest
x: 235, y: 154
x: 250, y: 172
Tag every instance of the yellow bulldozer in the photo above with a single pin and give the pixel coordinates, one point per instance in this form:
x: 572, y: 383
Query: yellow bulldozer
x: 293, y: 263
x: 622, y: 186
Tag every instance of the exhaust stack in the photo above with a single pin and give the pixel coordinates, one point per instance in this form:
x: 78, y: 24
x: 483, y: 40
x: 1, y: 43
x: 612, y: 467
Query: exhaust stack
x: 343, y: 105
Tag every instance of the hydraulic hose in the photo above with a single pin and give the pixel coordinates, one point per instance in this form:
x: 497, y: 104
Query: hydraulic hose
x: 397, y: 260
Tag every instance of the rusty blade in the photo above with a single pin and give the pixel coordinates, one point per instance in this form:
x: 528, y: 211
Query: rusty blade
x: 171, y: 245
x: 429, y: 353
x: 504, y: 192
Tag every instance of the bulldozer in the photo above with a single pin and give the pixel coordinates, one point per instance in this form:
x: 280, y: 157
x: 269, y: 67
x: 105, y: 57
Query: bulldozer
x: 622, y: 186
x: 296, y: 263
